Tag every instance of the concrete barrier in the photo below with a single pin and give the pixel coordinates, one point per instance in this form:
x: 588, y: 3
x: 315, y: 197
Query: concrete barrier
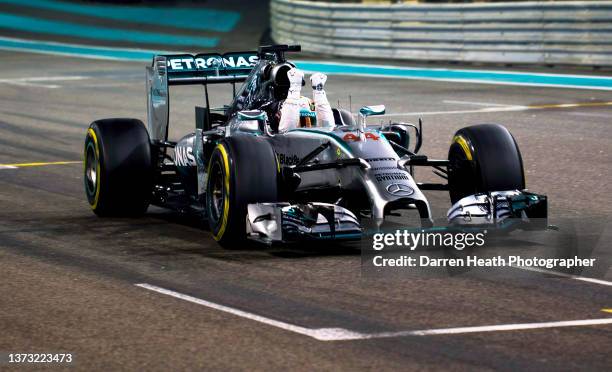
x: 577, y: 32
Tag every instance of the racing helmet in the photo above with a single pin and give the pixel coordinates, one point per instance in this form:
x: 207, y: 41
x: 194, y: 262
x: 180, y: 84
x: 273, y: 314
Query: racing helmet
x: 278, y: 80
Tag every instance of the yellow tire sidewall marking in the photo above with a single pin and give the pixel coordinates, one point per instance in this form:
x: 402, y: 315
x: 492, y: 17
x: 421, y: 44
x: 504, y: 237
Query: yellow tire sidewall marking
x: 226, y: 182
x: 277, y: 163
x: 464, y: 145
x: 92, y: 134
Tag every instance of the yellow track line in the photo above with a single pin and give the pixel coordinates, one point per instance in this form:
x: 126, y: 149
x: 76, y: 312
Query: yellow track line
x: 567, y: 105
x: 40, y: 164
x: 607, y: 310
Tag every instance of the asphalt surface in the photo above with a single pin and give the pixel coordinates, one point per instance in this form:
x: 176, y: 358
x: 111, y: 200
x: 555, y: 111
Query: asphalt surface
x: 68, y: 277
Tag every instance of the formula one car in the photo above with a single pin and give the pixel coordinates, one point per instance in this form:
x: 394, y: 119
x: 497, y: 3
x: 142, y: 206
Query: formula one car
x: 250, y: 181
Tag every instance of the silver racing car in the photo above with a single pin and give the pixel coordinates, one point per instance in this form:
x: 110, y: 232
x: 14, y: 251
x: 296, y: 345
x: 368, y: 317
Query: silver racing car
x: 250, y: 181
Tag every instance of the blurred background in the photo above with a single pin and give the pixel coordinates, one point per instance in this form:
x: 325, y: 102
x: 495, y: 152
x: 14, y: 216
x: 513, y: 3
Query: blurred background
x: 574, y: 33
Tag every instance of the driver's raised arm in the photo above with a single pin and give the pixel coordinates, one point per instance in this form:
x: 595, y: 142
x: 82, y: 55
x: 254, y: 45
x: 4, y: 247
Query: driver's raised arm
x: 325, y: 116
x: 290, y: 110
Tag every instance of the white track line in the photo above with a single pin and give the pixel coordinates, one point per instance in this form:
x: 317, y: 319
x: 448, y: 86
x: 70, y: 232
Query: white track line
x: 341, y: 334
x: 36, y: 81
x: 564, y: 275
x: 455, y: 69
x: 486, y: 104
x: 475, y: 111
x: 473, y: 81
x: 7, y: 167
x: 504, y: 108
x: 494, y: 328
x: 323, y: 334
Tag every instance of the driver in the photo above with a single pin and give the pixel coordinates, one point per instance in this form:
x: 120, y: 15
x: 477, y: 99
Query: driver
x: 298, y: 111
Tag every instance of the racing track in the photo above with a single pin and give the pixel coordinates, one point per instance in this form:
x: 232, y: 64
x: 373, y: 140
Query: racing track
x: 68, y: 278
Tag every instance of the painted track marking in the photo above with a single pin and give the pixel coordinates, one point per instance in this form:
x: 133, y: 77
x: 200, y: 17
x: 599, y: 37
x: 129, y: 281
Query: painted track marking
x: 458, y: 112
x: 37, y: 81
x: 38, y: 164
x: 507, y: 108
x: 341, y: 334
x: 495, y: 328
x: 323, y: 334
x: 564, y: 275
x: 93, y: 32
x: 472, y: 103
x: 78, y: 50
x: 460, y: 75
x: 196, y: 18
x: 333, y: 68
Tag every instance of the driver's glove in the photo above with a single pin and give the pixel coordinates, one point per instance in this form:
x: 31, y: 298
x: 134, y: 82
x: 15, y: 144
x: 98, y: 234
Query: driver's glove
x: 290, y: 108
x: 296, y: 76
x: 325, y: 115
x: 318, y: 80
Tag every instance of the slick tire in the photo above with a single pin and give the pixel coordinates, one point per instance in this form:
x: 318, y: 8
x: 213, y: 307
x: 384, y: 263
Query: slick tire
x: 118, y: 173
x: 241, y: 170
x: 484, y: 158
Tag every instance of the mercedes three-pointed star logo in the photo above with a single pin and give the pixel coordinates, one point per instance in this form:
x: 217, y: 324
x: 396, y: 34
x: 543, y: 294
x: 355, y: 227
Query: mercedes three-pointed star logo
x: 400, y: 189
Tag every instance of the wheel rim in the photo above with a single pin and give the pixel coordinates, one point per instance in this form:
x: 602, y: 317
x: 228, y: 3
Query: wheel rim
x: 217, y: 192
x: 91, y: 169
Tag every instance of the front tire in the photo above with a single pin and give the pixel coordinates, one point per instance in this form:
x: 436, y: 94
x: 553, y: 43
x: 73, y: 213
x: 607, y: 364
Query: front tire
x: 484, y: 158
x: 241, y: 170
x: 117, y: 167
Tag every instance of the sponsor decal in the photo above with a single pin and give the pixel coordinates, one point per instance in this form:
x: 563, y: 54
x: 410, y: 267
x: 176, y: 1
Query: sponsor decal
x: 399, y: 189
x: 381, y: 159
x: 183, y: 156
x: 391, y: 176
x: 371, y: 136
x: 158, y: 92
x: 384, y: 168
x: 212, y: 61
x: 351, y: 137
x: 285, y: 159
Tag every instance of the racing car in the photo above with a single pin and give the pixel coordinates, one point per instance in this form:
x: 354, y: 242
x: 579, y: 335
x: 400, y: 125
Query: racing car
x: 250, y: 181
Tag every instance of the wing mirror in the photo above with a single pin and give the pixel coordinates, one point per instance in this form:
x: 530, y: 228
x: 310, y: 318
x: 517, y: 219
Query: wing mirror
x: 366, y: 111
x: 372, y: 110
x: 252, y: 115
x: 253, y: 121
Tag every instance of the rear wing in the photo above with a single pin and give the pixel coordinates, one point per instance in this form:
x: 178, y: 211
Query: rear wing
x: 210, y: 68
x: 187, y: 69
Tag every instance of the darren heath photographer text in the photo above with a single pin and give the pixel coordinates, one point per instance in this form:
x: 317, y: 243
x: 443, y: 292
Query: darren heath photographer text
x: 475, y: 261
x: 459, y: 241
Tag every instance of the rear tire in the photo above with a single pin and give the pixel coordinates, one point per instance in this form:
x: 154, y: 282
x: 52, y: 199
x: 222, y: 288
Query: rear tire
x: 484, y: 158
x: 242, y: 170
x: 118, y: 172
